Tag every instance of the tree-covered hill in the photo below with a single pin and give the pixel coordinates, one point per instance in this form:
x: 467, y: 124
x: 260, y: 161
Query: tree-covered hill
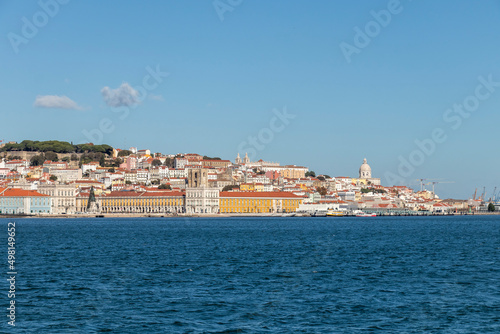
x: 56, y: 146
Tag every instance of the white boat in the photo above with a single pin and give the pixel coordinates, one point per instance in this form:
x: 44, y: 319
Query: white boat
x: 319, y: 213
x: 364, y: 214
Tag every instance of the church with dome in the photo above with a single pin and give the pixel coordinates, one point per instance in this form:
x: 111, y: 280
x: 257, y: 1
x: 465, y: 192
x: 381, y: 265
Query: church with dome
x: 365, y: 174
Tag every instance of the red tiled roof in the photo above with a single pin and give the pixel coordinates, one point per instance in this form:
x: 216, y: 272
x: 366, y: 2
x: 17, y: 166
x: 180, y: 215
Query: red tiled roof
x: 268, y: 194
x: 15, y: 192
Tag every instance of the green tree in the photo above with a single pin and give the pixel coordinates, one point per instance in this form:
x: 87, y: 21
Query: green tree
x: 124, y: 153
x: 37, y: 160
x: 374, y: 190
x: 128, y: 182
x: 111, y: 170
x: 66, y: 159
x: 102, y: 160
x: 230, y: 187
x: 169, y: 163
x: 51, y: 156
x: 165, y: 186
x: 311, y: 173
x: 117, y: 162
x: 53, y: 178
x: 491, y: 207
x: 322, y: 191
x: 155, y: 163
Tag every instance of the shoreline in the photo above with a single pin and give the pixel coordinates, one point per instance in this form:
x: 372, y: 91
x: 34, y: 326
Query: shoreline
x: 222, y: 215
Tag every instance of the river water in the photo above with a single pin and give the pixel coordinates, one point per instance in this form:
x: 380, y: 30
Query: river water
x: 256, y: 275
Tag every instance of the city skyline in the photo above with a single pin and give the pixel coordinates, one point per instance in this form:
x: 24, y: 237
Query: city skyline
x: 401, y: 83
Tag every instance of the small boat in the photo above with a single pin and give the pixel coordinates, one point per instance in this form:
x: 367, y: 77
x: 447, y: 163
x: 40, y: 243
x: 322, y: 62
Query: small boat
x: 364, y: 214
x: 319, y: 213
x: 332, y: 213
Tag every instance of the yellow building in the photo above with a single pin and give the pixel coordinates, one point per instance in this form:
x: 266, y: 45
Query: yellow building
x: 251, y: 187
x: 136, y: 202
x: 359, y: 182
x: 258, y: 202
x: 293, y: 172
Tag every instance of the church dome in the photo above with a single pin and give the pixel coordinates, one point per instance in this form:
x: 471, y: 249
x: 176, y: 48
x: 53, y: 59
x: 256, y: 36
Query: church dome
x: 365, y: 171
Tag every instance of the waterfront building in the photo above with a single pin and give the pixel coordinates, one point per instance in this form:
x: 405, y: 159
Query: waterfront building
x: 20, y: 201
x: 63, y: 196
x: 258, y: 202
x: 200, y: 197
x: 140, y: 201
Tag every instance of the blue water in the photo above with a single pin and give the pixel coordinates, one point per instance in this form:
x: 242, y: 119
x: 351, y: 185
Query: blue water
x: 253, y: 275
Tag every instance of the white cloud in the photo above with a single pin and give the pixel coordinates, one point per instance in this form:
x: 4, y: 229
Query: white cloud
x: 55, y: 101
x: 124, y: 95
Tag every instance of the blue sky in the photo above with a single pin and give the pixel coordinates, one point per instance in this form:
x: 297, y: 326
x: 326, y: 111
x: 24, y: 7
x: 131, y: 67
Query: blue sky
x: 226, y: 76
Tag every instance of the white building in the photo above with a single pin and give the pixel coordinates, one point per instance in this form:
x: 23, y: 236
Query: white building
x: 67, y: 175
x: 365, y: 172
x: 91, y: 166
x: 143, y: 176
x: 180, y: 162
x: 177, y: 173
x: 63, y: 196
x: 131, y: 176
x: 200, y: 198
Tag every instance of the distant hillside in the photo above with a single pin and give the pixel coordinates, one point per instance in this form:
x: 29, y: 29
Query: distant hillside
x: 56, y: 146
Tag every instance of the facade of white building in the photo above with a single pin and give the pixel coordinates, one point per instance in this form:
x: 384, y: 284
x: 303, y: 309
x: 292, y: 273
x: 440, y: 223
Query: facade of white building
x: 200, y: 198
x: 63, y: 197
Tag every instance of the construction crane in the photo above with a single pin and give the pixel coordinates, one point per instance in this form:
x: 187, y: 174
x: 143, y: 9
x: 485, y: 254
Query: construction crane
x: 436, y: 182
x: 481, y: 198
x: 474, y: 196
x: 422, y: 184
x: 493, y: 197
